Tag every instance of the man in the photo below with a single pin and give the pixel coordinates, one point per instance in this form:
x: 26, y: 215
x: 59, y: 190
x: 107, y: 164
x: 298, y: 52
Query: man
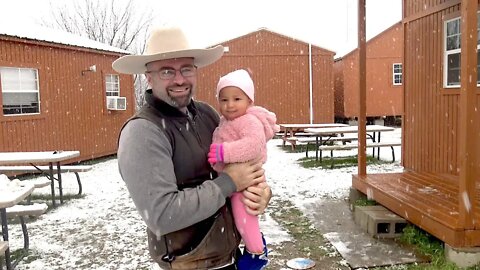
x: 162, y: 157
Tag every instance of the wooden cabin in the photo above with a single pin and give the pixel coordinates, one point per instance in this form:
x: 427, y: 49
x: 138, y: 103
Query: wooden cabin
x: 384, y: 78
x: 439, y: 191
x: 292, y: 78
x: 59, y: 92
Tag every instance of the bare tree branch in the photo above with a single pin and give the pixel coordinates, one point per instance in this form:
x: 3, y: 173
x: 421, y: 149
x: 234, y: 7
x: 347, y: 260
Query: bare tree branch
x: 115, y: 23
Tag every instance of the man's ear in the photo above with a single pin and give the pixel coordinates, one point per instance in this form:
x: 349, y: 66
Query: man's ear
x: 149, y: 79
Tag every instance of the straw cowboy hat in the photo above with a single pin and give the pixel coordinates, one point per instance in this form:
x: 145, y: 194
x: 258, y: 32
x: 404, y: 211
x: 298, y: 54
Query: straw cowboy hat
x: 166, y: 43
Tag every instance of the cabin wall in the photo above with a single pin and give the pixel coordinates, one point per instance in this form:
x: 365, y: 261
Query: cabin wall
x: 431, y: 120
x: 280, y: 69
x: 73, y: 113
x: 383, y: 97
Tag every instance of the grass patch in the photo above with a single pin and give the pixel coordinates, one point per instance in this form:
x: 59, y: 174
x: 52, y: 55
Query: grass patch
x: 364, y: 202
x: 48, y: 197
x: 308, y: 240
x: 26, y: 256
x: 298, y: 148
x: 338, y: 162
x: 429, y: 246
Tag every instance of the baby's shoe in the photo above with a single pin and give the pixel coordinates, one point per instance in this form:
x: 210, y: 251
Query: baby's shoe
x: 249, y: 261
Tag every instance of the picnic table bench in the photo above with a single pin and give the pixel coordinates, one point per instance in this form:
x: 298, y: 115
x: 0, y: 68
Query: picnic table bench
x: 20, y: 211
x: 291, y: 131
x: 331, y: 148
x: 34, y: 159
x: 332, y: 139
x: 324, y: 135
x: 3, y: 247
x: 44, y: 169
x: 10, y: 195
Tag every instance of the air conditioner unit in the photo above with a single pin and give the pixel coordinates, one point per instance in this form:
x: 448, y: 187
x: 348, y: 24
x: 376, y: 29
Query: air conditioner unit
x: 116, y: 103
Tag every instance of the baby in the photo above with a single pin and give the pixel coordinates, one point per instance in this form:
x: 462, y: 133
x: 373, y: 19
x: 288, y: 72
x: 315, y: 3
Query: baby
x: 241, y: 136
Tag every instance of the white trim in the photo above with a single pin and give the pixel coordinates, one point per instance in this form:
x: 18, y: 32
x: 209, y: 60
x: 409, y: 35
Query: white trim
x: 452, y: 52
x: 397, y: 73
x: 21, y: 91
x: 113, y: 84
x: 310, y: 80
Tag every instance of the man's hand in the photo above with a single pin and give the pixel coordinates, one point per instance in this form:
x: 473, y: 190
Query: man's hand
x: 245, y: 174
x: 256, y: 198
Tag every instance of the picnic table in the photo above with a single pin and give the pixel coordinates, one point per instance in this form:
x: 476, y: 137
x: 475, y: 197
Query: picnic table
x: 291, y: 131
x: 323, y: 135
x: 35, y: 159
x: 10, y: 195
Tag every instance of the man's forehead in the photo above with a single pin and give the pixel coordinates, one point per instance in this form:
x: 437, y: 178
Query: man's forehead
x: 173, y: 62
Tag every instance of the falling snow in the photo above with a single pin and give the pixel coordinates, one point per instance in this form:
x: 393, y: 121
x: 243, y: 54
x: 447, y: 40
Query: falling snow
x: 103, y: 230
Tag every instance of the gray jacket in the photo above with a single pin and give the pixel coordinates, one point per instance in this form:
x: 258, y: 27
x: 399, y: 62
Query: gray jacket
x: 162, y: 158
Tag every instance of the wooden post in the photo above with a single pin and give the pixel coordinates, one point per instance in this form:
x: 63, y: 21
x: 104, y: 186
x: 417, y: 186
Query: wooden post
x: 362, y: 67
x: 468, y: 120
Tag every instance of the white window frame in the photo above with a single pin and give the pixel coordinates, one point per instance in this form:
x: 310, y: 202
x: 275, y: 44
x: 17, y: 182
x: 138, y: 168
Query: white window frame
x: 456, y: 37
x: 22, y: 88
x: 112, y: 85
x: 397, y: 75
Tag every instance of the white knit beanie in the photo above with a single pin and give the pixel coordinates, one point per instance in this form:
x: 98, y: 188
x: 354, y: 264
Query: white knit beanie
x: 238, y: 78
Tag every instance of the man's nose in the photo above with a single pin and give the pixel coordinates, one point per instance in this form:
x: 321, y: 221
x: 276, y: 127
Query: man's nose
x: 178, y: 79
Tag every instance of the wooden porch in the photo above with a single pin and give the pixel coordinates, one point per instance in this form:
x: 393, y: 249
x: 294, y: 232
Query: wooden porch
x: 429, y: 201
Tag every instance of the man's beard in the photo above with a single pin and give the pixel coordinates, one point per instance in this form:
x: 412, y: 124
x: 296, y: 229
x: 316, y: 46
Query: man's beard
x: 177, y: 102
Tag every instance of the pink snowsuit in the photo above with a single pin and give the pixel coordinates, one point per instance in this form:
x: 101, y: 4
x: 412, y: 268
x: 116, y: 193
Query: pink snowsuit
x: 245, y: 138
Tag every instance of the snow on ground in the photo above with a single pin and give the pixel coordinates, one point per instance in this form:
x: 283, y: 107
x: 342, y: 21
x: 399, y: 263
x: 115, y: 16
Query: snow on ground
x: 104, y: 231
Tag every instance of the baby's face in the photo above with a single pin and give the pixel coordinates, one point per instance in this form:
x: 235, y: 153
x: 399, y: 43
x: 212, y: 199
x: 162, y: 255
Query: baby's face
x: 233, y: 102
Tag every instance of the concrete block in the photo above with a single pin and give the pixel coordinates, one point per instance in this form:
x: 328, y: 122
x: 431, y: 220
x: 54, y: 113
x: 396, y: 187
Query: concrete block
x: 361, y: 214
x: 385, y: 224
x: 462, y: 257
x: 379, y: 221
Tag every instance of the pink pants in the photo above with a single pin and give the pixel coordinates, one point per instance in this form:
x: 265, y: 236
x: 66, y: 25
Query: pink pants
x: 247, y: 225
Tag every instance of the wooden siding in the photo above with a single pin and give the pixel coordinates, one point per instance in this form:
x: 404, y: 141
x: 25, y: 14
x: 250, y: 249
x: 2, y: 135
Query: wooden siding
x: 383, y: 98
x: 431, y: 112
x: 280, y: 67
x: 73, y: 114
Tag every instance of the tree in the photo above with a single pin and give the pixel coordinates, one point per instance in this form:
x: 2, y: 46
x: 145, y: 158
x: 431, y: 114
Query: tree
x: 116, y: 23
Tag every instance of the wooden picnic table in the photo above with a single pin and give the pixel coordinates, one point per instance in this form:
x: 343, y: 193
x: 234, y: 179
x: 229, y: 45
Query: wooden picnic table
x: 10, y: 195
x: 321, y: 133
x: 52, y: 158
x: 290, y: 130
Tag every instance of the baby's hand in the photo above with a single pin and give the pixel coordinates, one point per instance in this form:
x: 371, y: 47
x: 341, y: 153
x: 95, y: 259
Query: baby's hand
x: 216, y: 153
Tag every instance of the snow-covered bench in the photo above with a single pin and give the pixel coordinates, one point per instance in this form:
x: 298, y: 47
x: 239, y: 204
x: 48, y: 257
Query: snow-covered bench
x: 332, y: 148
x: 3, y: 247
x: 44, y: 169
x: 21, y: 211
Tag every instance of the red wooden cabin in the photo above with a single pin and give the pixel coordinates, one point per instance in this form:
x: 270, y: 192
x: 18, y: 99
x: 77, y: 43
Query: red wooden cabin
x: 439, y: 191
x: 59, y: 92
x: 292, y: 78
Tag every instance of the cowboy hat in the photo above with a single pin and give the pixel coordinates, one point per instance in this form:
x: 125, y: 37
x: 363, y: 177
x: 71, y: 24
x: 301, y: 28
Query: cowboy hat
x: 166, y: 43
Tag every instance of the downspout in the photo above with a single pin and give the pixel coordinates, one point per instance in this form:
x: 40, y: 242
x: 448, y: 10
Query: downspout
x: 310, y: 80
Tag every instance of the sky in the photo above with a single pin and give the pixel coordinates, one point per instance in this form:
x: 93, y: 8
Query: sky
x: 330, y: 24
x: 103, y: 230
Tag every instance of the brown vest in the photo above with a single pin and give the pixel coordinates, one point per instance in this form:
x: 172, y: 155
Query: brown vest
x: 211, y: 242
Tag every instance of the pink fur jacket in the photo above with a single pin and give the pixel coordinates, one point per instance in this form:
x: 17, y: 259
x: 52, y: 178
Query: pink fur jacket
x: 245, y: 137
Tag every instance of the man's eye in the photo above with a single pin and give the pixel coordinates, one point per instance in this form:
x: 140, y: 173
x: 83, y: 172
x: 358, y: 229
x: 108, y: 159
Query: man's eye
x: 167, y: 72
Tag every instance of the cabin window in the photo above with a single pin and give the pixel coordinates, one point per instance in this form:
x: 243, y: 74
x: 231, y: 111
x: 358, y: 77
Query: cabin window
x: 20, y: 91
x: 112, y: 85
x: 397, y: 74
x: 451, y: 76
